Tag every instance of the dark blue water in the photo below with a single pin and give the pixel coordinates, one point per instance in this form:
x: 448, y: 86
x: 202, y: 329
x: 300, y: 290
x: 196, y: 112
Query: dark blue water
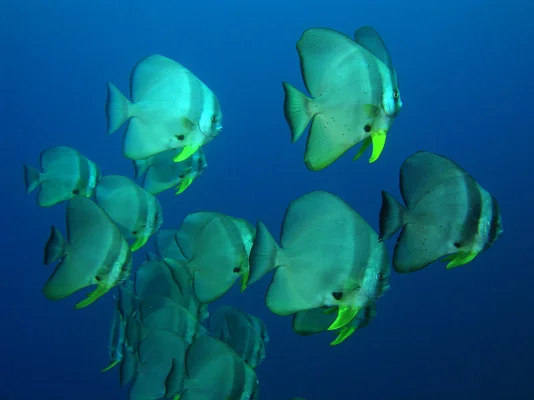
x: 465, y: 70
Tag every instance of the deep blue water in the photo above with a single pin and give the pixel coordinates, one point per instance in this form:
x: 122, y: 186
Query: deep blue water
x: 465, y: 70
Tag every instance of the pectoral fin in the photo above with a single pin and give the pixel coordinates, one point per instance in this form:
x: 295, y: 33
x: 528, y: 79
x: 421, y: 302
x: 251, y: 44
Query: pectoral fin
x: 188, y: 124
x: 365, y: 144
x: 330, y: 310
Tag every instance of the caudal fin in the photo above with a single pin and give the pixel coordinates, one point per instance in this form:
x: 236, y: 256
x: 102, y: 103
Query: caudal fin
x: 391, y: 216
x: 60, y: 164
x: 262, y: 255
x: 55, y: 246
x: 117, y: 108
x: 32, y: 178
x: 296, y: 111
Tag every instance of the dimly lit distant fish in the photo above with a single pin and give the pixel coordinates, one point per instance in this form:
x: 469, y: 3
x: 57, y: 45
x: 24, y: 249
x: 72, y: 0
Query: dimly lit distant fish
x: 183, y: 278
x: 447, y: 214
x: 136, y: 212
x: 171, y: 109
x: 116, y: 338
x: 216, y: 246
x: 355, y: 94
x: 125, y: 305
x: 160, y: 172
x: 166, y: 245
x: 153, y: 278
x: 241, y: 331
x: 172, y: 279
x: 130, y: 359
x: 157, y: 353
x: 160, y: 312
x: 329, y: 257
x: 215, y: 371
x: 96, y: 253
x: 66, y: 173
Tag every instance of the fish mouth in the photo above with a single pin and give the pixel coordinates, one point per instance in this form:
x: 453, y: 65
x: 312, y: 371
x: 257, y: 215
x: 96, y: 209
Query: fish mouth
x: 392, y: 114
x: 369, y: 296
x: 218, y: 129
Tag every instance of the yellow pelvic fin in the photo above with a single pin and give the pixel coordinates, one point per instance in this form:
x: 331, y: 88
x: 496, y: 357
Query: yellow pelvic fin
x: 461, y: 258
x: 184, y: 185
x: 91, y: 297
x: 344, y: 316
x: 343, y: 334
x: 379, y: 141
x: 186, y: 152
x: 365, y: 144
x: 110, y: 366
x: 244, y: 280
x: 140, y: 242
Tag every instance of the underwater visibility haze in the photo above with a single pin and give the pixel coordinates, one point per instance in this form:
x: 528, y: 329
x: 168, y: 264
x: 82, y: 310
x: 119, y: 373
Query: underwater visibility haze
x: 169, y: 234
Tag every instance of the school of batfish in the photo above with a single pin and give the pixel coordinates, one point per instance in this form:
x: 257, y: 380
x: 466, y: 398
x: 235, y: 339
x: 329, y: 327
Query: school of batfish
x: 329, y: 266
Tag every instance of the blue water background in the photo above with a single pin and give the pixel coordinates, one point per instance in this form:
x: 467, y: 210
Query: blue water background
x: 465, y: 71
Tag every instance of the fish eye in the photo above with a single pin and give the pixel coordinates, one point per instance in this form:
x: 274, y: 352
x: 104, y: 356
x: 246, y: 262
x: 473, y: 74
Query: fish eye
x: 214, y: 118
x: 396, y: 95
x: 380, y: 276
x: 337, y: 295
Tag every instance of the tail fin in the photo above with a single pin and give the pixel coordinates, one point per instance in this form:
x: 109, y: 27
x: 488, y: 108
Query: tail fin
x: 55, y: 246
x: 117, y: 108
x: 296, y: 111
x: 262, y: 255
x: 32, y: 178
x: 61, y: 166
x: 391, y: 216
